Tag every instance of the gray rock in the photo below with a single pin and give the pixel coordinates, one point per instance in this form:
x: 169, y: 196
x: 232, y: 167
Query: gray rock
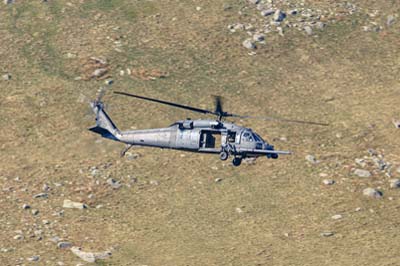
x: 396, y: 123
x: 33, y: 258
x: 311, y: 159
x: 109, y: 81
x: 34, y: 212
x: 249, y: 44
x: 327, y: 234
x: 320, y: 25
x: 362, y: 173
x: 26, y: 206
x: 41, y: 195
x: 99, y: 72
x: 293, y: 12
x: 337, y: 217
x: 372, y: 152
x: 360, y: 162
x: 268, y: 12
x: 308, y: 30
x: 45, y: 187
x: 258, y: 37
x: 74, y: 205
x: 6, y: 77
x: 373, y: 193
x: 18, y: 237
x: 279, y: 15
x: 54, y: 239
x: 95, y: 172
x: 64, y: 245
x: 217, y: 180
x: 380, y: 163
x: 328, y: 182
x: 8, y: 2
x: 255, y: 2
x: 239, y: 26
x: 115, y: 184
x: 90, y: 256
x: 394, y: 183
x: 390, y: 20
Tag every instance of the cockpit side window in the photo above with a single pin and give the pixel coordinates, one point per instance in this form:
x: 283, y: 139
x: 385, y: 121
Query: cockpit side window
x: 247, y: 137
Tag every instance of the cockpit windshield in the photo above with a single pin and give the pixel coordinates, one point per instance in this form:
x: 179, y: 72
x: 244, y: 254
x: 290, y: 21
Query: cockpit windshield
x: 257, y: 137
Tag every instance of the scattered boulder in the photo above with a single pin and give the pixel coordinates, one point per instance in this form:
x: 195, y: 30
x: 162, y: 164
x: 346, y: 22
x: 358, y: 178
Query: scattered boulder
x: 34, y: 212
x: 268, y: 12
x: 320, y: 25
x: 45, y: 187
x: 8, y: 2
x: 109, y: 82
x: 64, y: 245
x: 327, y: 234
x: 258, y: 37
x: 73, y: 205
x: 115, y: 184
x: 217, y: 180
x: 390, y: 20
x: 337, y: 217
x: 249, y: 44
x: 396, y: 123
x: 362, y: 173
x: 26, y: 206
x: 373, y: 193
x: 99, y: 72
x: 6, y: 77
x: 394, y: 183
x: 33, y: 258
x: 41, y: 195
x: 90, y: 256
x: 308, y: 30
x: 18, y: 237
x: 328, y: 182
x: 311, y: 159
x: 360, y: 162
x: 254, y: 2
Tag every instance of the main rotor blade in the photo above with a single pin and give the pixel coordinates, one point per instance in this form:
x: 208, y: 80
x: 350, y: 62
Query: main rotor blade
x: 218, y: 105
x: 270, y: 118
x: 194, y: 109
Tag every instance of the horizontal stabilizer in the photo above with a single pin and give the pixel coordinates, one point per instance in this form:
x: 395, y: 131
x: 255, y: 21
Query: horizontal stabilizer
x: 103, y: 132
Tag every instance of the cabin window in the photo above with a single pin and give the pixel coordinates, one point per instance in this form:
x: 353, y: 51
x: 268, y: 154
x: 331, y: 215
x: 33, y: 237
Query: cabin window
x: 231, y: 136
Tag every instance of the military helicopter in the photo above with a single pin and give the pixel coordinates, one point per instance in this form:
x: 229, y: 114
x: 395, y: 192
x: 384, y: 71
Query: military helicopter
x: 202, y: 136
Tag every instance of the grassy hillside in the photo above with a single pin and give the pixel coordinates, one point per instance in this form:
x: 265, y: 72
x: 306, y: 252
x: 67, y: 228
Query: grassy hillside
x: 169, y: 209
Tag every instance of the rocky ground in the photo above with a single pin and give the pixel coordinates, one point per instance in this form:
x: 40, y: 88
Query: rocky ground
x: 67, y: 198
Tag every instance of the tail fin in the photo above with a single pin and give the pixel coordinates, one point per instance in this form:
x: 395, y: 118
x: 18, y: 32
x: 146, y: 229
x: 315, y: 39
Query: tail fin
x: 104, y: 125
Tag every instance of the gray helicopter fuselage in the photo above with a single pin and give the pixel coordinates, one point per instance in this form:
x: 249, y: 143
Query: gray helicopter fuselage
x: 193, y: 135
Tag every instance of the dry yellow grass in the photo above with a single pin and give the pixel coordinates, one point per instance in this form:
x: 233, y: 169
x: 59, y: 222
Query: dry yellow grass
x: 346, y: 77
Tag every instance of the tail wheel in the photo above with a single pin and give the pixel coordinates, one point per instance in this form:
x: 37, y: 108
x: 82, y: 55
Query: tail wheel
x: 224, y: 155
x: 237, y: 161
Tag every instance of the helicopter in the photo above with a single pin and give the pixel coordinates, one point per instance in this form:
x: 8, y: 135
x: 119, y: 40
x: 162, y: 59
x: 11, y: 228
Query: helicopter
x: 213, y: 136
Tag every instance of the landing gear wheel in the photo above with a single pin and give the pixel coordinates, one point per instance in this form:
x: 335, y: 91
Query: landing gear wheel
x: 237, y: 161
x: 274, y: 156
x: 223, y: 156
